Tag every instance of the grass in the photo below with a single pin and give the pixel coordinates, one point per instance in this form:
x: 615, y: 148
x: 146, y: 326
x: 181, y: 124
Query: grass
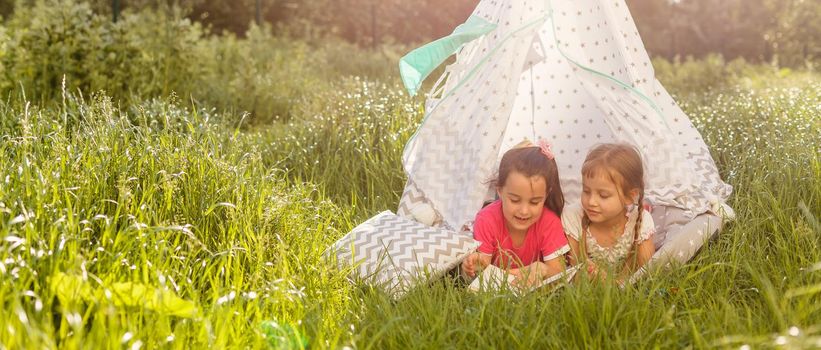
x: 176, y: 197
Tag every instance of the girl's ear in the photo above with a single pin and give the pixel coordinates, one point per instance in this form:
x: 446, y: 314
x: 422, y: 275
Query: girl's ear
x: 634, y: 196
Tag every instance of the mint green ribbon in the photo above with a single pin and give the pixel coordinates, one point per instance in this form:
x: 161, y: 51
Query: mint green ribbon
x: 419, y: 63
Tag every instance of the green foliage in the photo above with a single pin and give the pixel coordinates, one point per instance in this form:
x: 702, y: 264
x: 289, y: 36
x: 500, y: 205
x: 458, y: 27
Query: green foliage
x: 4, y: 51
x: 60, y: 46
x: 693, y: 76
x: 49, y: 41
x: 781, y: 31
x: 71, y: 289
x: 150, y: 53
x: 272, y: 77
x: 262, y: 75
x: 59, y: 42
x: 795, y: 38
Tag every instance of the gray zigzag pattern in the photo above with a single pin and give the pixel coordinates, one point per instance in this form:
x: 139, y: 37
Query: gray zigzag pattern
x: 393, y: 250
x: 705, y: 166
x: 413, y: 196
x: 443, y: 168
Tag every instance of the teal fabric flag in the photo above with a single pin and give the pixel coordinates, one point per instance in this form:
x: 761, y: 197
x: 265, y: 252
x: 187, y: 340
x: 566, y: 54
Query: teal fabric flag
x: 419, y: 63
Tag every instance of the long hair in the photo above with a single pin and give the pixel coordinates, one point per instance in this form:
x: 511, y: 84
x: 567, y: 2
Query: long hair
x: 622, y: 164
x: 529, y: 160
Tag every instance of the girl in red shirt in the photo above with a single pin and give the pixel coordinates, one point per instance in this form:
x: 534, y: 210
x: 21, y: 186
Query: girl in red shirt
x: 521, y: 231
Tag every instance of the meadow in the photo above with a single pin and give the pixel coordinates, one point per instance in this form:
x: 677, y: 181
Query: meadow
x: 185, y: 201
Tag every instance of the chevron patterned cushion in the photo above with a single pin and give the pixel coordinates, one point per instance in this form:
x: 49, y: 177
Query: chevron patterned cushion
x: 396, y: 253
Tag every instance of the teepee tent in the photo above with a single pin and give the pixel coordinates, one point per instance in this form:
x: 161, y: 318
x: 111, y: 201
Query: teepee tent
x: 573, y: 72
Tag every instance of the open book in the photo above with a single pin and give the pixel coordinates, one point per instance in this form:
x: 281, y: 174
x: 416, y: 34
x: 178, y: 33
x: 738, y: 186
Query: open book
x: 493, y: 278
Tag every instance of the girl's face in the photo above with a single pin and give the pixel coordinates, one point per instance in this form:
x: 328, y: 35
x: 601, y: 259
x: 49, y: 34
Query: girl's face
x: 601, y: 199
x: 522, y: 200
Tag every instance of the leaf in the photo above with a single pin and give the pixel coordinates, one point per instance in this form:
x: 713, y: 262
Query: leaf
x: 806, y: 290
x: 160, y: 300
x: 221, y: 204
x: 71, y: 288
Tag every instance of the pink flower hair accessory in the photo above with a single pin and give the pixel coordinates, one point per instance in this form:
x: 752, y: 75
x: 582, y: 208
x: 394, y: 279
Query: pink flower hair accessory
x: 546, y: 148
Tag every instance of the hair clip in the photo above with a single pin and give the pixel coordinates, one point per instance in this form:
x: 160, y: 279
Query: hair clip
x: 629, y: 209
x: 545, y: 147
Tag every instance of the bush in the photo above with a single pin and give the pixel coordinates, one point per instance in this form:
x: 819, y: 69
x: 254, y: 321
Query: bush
x: 147, y: 54
x: 695, y: 75
x: 49, y: 41
x: 58, y: 42
x: 263, y: 75
x: 156, y: 52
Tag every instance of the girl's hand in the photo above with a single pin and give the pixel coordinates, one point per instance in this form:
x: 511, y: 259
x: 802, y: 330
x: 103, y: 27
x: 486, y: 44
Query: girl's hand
x: 469, y: 265
x: 517, y: 276
x: 528, y: 276
x: 593, y: 270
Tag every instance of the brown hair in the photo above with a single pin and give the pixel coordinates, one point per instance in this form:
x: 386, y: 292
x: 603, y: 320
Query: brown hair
x: 622, y: 164
x: 529, y: 161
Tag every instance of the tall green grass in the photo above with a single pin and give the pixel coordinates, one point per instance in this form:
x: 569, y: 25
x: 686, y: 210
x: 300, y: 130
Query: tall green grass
x: 174, y: 197
x: 167, y: 199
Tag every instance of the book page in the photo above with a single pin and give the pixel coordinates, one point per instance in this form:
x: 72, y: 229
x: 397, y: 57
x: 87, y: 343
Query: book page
x: 493, y: 278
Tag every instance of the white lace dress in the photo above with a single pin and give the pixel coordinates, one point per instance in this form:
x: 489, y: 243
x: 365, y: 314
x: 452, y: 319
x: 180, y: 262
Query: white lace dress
x: 612, y: 255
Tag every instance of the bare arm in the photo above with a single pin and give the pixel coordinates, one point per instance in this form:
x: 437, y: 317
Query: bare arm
x: 534, y: 273
x: 576, y: 258
x: 575, y: 251
x: 644, y: 251
x: 552, y: 267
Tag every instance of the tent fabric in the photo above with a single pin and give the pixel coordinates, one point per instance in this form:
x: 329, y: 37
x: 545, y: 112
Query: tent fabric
x: 678, y: 237
x: 573, y: 72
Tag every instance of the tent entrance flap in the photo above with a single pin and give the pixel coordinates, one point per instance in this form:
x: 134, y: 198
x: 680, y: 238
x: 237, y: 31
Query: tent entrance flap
x: 419, y: 63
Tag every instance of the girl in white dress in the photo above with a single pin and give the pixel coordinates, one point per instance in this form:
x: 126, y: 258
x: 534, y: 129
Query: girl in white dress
x: 609, y: 232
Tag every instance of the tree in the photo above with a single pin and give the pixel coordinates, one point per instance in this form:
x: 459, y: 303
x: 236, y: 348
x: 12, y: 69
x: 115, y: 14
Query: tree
x: 794, y: 37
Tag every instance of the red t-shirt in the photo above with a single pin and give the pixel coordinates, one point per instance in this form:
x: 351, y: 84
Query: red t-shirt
x: 545, y: 239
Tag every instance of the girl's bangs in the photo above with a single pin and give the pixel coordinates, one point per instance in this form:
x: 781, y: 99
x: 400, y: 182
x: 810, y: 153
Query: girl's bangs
x: 600, y: 169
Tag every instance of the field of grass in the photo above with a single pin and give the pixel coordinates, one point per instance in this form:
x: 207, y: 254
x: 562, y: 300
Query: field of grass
x: 165, y: 223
